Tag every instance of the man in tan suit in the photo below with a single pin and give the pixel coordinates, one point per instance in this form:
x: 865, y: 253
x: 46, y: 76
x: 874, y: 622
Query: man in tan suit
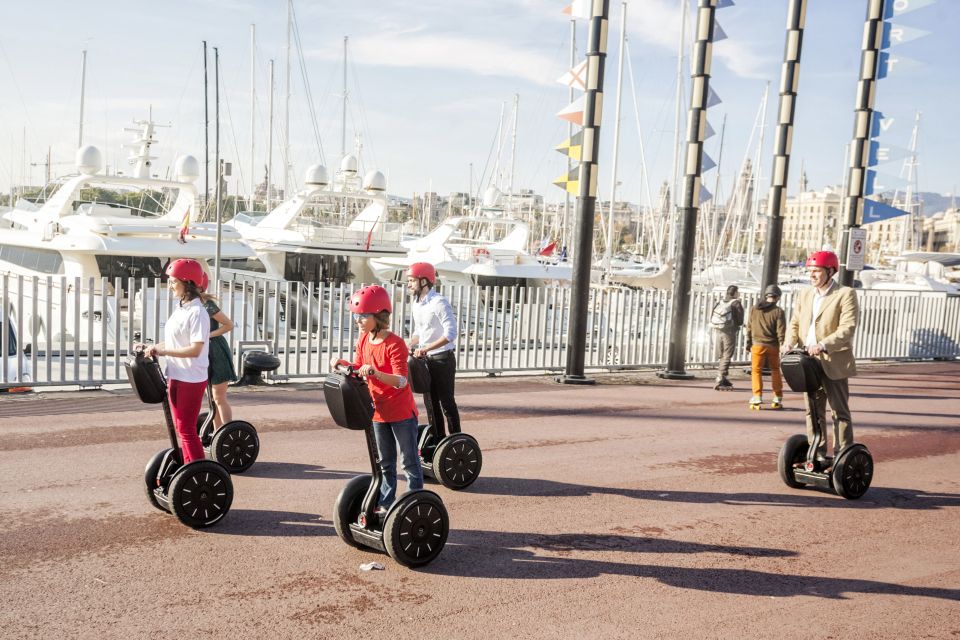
x: 823, y: 323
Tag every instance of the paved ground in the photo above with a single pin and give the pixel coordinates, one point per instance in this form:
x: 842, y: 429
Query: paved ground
x: 635, y: 508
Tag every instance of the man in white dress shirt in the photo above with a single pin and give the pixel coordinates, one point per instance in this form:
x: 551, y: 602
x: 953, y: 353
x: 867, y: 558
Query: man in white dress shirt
x: 434, y: 338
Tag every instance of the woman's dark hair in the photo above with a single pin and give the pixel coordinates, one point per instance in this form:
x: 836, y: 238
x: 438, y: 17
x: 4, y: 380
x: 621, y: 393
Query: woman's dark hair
x: 190, y: 291
x: 383, y: 321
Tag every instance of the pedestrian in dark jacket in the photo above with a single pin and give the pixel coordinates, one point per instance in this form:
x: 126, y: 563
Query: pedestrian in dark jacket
x: 765, y: 333
x: 726, y: 318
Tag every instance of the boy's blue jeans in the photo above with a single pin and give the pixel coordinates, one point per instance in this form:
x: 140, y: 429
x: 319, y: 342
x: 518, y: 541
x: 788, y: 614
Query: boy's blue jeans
x: 388, y: 435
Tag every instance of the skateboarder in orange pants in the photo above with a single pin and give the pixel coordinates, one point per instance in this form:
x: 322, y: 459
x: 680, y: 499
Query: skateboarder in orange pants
x: 765, y: 333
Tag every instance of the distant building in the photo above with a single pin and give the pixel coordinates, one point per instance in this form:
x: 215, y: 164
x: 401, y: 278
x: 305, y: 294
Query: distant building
x: 941, y: 231
x: 810, y: 222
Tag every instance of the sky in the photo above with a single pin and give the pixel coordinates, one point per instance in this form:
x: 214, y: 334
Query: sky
x: 428, y: 79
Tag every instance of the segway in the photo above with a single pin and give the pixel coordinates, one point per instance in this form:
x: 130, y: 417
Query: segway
x: 850, y: 472
x: 416, y: 525
x: 200, y: 493
x: 235, y: 445
x: 454, y: 460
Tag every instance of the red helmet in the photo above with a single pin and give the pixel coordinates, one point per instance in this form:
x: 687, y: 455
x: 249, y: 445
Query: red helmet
x: 204, y: 282
x: 186, y: 269
x: 422, y: 270
x: 372, y: 299
x: 825, y: 259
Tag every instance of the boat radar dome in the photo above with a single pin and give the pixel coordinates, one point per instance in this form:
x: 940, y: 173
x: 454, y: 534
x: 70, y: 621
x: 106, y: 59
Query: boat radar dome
x: 349, y: 164
x: 186, y: 168
x: 89, y: 160
x: 317, y: 176
x: 374, y: 181
x: 491, y: 197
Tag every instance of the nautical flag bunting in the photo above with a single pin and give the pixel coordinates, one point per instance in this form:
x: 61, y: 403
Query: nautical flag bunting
x: 578, y: 9
x: 572, y: 147
x: 705, y: 195
x: 570, y: 182
x: 874, y: 211
x: 883, y: 153
x: 573, y: 112
x: 718, y: 32
x: 723, y: 4
x: 897, y: 34
x: 712, y: 98
x: 894, y: 63
x: 899, y: 7
x: 706, y: 163
x: 576, y: 77
x: 709, y: 132
x: 880, y: 124
x: 878, y: 182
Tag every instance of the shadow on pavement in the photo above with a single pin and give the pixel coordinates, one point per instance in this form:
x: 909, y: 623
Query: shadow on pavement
x: 296, y: 471
x: 876, y: 497
x: 282, y: 524
x: 488, y: 554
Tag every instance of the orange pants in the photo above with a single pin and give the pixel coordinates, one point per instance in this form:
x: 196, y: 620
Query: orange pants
x: 770, y: 353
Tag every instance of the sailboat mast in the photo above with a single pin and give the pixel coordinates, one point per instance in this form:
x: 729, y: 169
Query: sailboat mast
x: 286, y: 117
x: 83, y: 89
x: 513, y: 150
x: 566, y: 201
x: 678, y: 119
x: 343, y: 116
x: 754, y: 209
x: 908, y: 238
x: 206, y: 131
x: 270, y: 139
x: 253, y: 116
x: 608, y: 250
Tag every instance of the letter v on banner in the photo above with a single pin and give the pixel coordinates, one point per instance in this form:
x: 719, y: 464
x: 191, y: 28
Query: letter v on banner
x: 880, y: 124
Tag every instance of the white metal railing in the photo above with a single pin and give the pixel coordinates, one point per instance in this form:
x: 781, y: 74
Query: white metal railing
x: 78, y: 331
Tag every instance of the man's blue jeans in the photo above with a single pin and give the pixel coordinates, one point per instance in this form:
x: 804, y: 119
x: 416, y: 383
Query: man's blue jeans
x: 388, y: 435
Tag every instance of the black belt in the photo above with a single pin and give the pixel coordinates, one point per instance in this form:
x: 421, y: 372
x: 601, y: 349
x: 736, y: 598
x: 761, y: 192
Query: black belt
x: 443, y: 355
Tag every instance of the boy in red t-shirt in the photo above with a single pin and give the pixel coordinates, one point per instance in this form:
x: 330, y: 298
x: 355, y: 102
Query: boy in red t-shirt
x: 381, y: 358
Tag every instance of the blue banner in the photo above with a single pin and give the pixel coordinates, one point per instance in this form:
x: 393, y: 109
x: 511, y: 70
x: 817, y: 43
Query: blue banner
x: 874, y: 211
x: 881, y: 154
x: 895, y: 63
x: 899, y: 7
x: 897, y: 34
x: 877, y: 182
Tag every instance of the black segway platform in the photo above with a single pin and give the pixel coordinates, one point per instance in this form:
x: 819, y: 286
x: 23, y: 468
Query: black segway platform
x: 455, y: 459
x: 848, y: 474
x: 235, y: 445
x: 200, y: 493
x: 415, y: 528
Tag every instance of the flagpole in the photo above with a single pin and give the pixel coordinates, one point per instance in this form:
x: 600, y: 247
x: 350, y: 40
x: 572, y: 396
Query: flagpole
x: 608, y: 250
x: 586, y: 200
x: 860, y: 151
x: 565, y: 234
x: 683, y: 275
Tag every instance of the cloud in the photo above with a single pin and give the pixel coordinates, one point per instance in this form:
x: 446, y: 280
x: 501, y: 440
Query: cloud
x: 480, y: 56
x: 657, y: 22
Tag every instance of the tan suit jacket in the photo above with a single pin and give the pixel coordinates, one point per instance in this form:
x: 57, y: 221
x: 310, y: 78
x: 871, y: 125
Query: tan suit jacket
x: 835, y: 327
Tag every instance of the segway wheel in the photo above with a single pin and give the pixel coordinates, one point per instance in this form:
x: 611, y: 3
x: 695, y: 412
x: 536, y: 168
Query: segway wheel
x: 235, y: 445
x: 852, y: 472
x: 416, y: 528
x: 346, y: 509
x: 201, y: 493
x: 794, y: 450
x: 457, y: 461
x: 150, y: 476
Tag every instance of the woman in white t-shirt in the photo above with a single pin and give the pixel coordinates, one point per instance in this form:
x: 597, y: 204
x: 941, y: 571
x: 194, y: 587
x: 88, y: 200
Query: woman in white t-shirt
x: 185, y: 346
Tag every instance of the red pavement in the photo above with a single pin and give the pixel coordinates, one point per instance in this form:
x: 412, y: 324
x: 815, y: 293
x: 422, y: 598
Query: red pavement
x: 634, y: 508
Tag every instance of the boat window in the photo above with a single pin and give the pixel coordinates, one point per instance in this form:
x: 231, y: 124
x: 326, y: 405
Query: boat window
x: 312, y: 267
x: 126, y: 267
x: 41, y: 260
x: 240, y: 264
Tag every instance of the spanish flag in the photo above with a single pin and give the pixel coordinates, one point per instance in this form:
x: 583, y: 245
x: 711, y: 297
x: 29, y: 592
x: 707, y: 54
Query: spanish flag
x: 184, y: 228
